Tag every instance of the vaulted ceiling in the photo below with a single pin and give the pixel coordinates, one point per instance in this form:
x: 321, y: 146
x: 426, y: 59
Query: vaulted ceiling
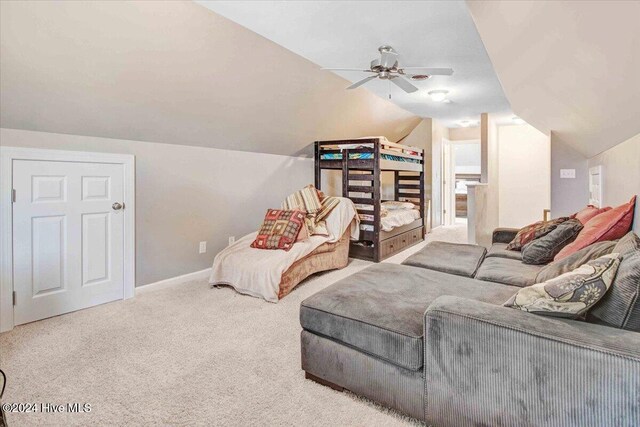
x: 568, y: 66
x: 347, y: 34
x: 172, y: 72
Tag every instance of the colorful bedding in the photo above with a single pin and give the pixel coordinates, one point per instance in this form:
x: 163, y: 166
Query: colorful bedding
x: 367, y: 156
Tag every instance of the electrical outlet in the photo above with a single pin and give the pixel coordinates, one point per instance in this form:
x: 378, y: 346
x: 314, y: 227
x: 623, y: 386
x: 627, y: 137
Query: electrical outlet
x: 567, y: 173
x: 203, y: 247
x: 232, y: 239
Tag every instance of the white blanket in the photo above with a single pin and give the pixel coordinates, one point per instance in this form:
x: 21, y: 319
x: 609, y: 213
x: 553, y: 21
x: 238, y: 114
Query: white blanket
x: 258, y: 272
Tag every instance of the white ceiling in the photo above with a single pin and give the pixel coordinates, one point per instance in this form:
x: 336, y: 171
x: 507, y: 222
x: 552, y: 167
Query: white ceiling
x: 347, y: 35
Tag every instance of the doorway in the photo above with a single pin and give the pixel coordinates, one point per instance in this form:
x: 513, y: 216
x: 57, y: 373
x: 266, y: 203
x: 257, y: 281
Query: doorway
x: 460, y: 167
x: 70, y: 230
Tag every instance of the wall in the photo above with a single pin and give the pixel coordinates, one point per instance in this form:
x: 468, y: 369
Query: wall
x: 567, y: 195
x: 464, y: 134
x: 621, y: 174
x: 173, y: 72
x: 524, y: 165
x: 467, y: 156
x: 185, y: 195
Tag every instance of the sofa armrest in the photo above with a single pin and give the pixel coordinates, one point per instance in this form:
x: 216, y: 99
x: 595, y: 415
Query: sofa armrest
x: 500, y: 366
x: 504, y: 235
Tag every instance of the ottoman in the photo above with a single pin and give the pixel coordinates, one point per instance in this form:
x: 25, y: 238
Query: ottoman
x: 453, y: 258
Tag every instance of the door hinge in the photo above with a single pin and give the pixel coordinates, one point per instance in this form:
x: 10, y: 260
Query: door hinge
x: 15, y: 297
x: 13, y: 195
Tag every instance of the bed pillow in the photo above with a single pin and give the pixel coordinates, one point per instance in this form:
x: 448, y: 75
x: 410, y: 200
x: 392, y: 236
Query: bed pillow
x: 609, y: 225
x: 543, y: 249
x: 589, y: 212
x: 306, y: 200
x: 574, y: 261
x: 620, y: 307
x: 570, y: 295
x: 533, y: 231
x: 393, y: 205
x: 279, y: 229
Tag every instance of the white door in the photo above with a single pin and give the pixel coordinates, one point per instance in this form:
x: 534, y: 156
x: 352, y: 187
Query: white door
x: 68, y: 236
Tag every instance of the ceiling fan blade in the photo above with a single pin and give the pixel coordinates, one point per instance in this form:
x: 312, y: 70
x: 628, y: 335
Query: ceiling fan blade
x: 361, y: 82
x: 429, y: 71
x: 388, y: 59
x: 348, y: 69
x: 403, y: 84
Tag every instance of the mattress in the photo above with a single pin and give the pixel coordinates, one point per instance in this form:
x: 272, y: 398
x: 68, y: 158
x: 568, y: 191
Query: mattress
x: 394, y: 218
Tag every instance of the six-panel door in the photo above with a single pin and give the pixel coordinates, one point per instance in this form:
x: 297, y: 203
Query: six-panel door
x: 67, y: 238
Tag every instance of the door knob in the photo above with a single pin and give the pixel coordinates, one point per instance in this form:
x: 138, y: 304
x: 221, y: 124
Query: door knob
x: 117, y: 206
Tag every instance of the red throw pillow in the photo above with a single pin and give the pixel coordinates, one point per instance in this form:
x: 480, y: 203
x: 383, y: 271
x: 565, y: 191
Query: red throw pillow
x: 609, y: 225
x: 589, y: 212
x: 279, y: 229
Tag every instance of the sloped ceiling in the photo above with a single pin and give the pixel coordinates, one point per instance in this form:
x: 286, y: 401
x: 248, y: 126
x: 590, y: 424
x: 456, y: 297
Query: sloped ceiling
x: 568, y: 66
x: 173, y: 72
x: 347, y: 34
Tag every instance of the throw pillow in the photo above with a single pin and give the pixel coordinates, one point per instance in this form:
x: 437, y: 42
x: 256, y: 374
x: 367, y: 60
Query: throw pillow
x: 533, y: 231
x: 543, y: 249
x: 279, y: 229
x: 589, y: 212
x: 574, y: 261
x: 327, y: 205
x: 621, y: 305
x: 609, y: 225
x: 304, y: 200
x: 570, y: 295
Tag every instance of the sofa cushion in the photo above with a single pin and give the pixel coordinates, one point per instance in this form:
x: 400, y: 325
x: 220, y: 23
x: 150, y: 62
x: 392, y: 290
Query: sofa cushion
x: 570, y: 295
x: 453, y: 258
x: 620, y: 307
x: 508, y: 271
x: 500, y: 250
x: 574, y: 261
x: 609, y: 225
x: 543, y: 249
x: 279, y: 229
x: 380, y: 309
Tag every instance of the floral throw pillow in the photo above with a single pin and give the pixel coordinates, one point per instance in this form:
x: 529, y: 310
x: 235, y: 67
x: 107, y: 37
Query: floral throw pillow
x: 569, y: 295
x: 533, y: 231
x: 279, y: 230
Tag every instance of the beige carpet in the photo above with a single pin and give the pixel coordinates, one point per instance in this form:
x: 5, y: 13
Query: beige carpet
x: 183, y: 355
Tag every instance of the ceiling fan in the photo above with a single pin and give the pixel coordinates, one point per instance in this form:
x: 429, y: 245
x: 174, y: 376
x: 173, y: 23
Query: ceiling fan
x: 386, y: 68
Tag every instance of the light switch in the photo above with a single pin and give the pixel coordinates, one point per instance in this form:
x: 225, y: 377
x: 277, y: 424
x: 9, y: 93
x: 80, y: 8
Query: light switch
x: 567, y: 173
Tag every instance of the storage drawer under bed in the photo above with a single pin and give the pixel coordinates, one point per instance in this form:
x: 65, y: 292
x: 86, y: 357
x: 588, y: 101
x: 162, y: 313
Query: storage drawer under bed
x: 402, y: 241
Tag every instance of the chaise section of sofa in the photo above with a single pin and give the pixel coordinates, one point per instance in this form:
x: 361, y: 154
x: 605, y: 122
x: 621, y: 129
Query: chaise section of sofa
x: 499, y: 366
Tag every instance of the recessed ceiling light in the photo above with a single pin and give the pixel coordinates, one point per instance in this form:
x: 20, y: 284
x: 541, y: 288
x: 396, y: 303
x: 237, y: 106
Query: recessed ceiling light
x: 517, y: 120
x: 438, y: 95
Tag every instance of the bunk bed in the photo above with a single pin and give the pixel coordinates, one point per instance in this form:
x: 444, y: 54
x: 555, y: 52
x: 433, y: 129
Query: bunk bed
x: 362, y: 162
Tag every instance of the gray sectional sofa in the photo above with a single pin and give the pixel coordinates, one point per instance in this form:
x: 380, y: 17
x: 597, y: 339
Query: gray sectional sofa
x: 431, y: 339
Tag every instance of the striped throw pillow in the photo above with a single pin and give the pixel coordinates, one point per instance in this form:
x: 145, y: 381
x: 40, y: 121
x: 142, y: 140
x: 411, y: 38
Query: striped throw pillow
x: 305, y: 200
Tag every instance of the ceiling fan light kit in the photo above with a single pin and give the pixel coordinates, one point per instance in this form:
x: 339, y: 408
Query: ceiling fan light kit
x: 438, y: 95
x: 387, y: 68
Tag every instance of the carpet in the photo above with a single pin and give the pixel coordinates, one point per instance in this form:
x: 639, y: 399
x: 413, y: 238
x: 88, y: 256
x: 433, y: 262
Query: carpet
x: 183, y: 354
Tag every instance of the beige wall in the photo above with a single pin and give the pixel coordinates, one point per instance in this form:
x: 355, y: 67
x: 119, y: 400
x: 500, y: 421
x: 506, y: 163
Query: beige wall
x: 524, y: 168
x: 568, y: 195
x: 185, y: 195
x: 464, y: 134
x: 173, y: 72
x: 621, y: 174
x: 556, y: 61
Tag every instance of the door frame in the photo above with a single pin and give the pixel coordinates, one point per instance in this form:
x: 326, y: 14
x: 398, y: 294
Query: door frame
x: 7, y: 156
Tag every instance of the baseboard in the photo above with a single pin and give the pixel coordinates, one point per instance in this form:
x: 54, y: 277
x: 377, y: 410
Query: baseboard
x: 196, y: 275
